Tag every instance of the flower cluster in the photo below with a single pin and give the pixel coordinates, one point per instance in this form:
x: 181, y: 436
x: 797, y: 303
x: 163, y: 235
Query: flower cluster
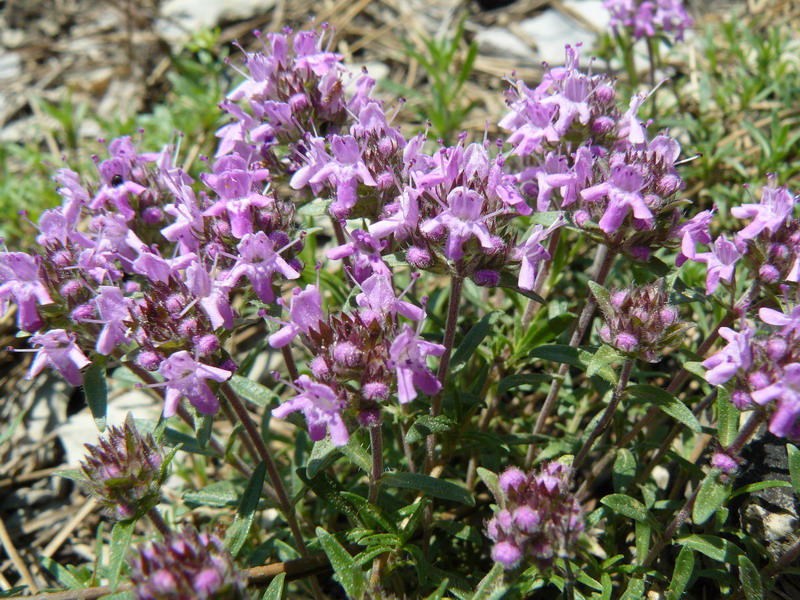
x: 639, y: 321
x: 125, y: 471
x: 648, y: 18
x: 764, y: 367
x: 360, y: 358
x: 769, y: 244
x: 188, y: 565
x: 538, y: 519
x: 583, y: 155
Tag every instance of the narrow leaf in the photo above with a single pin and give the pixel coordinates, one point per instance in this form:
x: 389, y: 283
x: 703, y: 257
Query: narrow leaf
x: 275, y: 589
x: 682, y: 574
x: 491, y: 481
x: 760, y: 485
x: 712, y: 496
x: 513, y: 381
x: 628, y: 507
x: 750, y: 578
x: 624, y: 470
x: 716, y: 548
x: 96, y: 390
x: 347, y: 571
x: 727, y: 418
x: 430, y: 486
x: 560, y: 353
x: 253, y: 391
x: 426, y: 425
x: 491, y: 582
x: 62, y: 575
x: 472, y: 340
x: 667, y: 403
x: 794, y: 466
x: 643, y: 531
x: 603, y: 297
x: 602, y: 359
x: 237, y: 533
x: 120, y: 543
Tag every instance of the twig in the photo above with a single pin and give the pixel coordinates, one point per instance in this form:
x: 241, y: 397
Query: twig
x: 64, y: 533
x: 16, y: 559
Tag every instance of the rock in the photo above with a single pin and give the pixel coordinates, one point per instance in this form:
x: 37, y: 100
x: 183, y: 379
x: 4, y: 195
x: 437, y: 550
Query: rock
x: 181, y: 18
x: 499, y: 41
x: 552, y: 30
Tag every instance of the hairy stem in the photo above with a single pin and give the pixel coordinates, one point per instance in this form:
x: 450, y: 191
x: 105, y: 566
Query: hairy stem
x: 605, y: 260
x: 605, y: 421
x: 376, y: 444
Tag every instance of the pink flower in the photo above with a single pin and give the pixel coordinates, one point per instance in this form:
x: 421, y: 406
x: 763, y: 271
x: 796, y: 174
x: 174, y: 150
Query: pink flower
x: 186, y: 378
x: 321, y: 407
x: 58, y: 349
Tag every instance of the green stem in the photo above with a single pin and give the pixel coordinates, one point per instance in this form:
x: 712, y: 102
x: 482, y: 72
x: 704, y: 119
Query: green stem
x: 376, y: 444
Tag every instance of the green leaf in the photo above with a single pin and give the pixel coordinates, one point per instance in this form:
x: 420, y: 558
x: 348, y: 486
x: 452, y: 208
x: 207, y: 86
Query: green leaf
x: 491, y: 480
x: 682, y: 574
x: 711, y: 496
x: 72, y: 474
x: 357, y: 454
x: 635, y: 589
x: 603, y: 297
x: 323, y: 455
x: 118, y: 548
x: 628, y: 507
x: 601, y: 360
x: 371, y: 511
x: 426, y: 425
x: 347, y: 571
x: 750, y: 578
x: 624, y: 470
x: 490, y: 585
x: 716, y: 548
x: 759, y: 485
x: 794, y: 466
x: 513, y: 381
x: 237, y: 533
x: 727, y: 418
x: 643, y: 531
x: 329, y: 490
x: 695, y: 368
x: 218, y: 494
x: 62, y: 575
x: 560, y: 353
x: 438, y: 593
x: 275, y: 589
x: 203, y: 425
x: 96, y: 390
x: 667, y: 403
x: 430, y: 486
x: 472, y: 340
x: 253, y: 391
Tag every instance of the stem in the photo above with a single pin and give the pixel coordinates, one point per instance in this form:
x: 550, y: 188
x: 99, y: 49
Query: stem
x: 679, y: 519
x: 291, y: 366
x: 605, y: 260
x: 607, y: 416
x: 746, y: 432
x: 263, y: 452
x: 376, y: 443
x: 457, y: 285
x: 158, y: 522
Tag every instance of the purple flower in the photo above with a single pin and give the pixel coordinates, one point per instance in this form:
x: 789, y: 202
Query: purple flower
x: 114, y: 312
x: 234, y: 183
x: 344, y: 172
x: 186, y: 378
x: 258, y: 261
x: 321, y: 407
x: 367, y: 251
x: 463, y: 219
x: 404, y: 221
x: 736, y: 355
x: 624, y: 194
x: 531, y: 252
x: 720, y: 263
x: 408, y: 357
x: 19, y: 277
x: 59, y: 350
x: 213, y: 295
x: 693, y: 232
x: 787, y: 392
x: 305, y: 313
x: 790, y: 323
x: 771, y: 213
x: 378, y: 297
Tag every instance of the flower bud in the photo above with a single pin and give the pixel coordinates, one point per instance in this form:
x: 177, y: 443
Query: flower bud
x: 125, y: 471
x: 187, y: 565
x: 419, y: 258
